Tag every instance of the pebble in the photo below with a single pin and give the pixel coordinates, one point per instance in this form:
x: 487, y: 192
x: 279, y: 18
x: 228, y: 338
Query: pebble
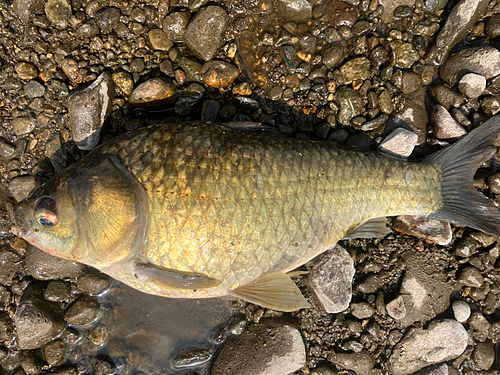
x: 277, y: 349
x: 403, y: 54
x: 333, y: 56
x: 54, y: 352
x: 98, y: 336
x: 7, y: 149
x: 396, y: 9
x: 470, y: 276
x: 446, y: 96
x: 444, y: 126
x: 57, y: 291
x: 492, y: 29
x: 490, y: 104
x: 189, y: 99
x: 341, y: 13
x: 82, y: 311
x: 23, y: 125
x: 378, y: 57
x: 431, y: 230
x: 34, y: 89
x: 295, y: 10
x: 204, y: 35
x: 37, y: 320
x: 356, y: 69
x: 219, y: 74
x: 441, y: 369
x: 400, y: 142
x: 87, y: 29
x: 88, y: 109
x: 484, y: 61
x: 155, y: 92
x: 43, y: 266
x: 175, y: 25
x: 330, y: 279
x: 71, y: 69
x: 26, y: 70
x: 27, y: 9
x: 472, y: 85
x: 93, y: 283
x: 137, y: 65
x: 191, y: 357
x: 396, y: 308
x: 124, y: 81
x: 441, y: 341
x: 107, y: 18
x: 361, y: 363
x: 410, y: 82
x: 7, y: 328
x: 159, y: 40
x: 461, y: 311
x: 10, y: 266
x: 362, y: 310
x: 22, y: 187
x: 484, y: 355
x: 466, y: 247
x: 103, y: 366
x: 58, y: 12
x: 350, y: 103
x: 385, y: 102
x: 210, y: 109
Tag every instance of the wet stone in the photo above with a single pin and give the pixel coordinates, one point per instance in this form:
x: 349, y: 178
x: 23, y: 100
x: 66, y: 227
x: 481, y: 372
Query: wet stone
x: 395, y: 8
x: 37, y: 320
x: 403, y: 54
x: 219, y: 74
x: 87, y: 29
x: 175, y: 24
x: 400, y: 142
x: 490, y: 104
x: 466, y: 247
x: 7, y: 149
x: 103, y: 366
x: 58, y: 12
x: 361, y: 363
x: 330, y: 279
x: 6, y: 327
x: 191, y: 357
x: 154, y: 92
x: 10, y: 265
x: 31, y: 361
x: 484, y: 355
x: 410, y: 82
x: 159, y: 40
x: 57, y: 291
x: 396, y: 308
x: 444, y: 125
x: 362, y: 310
x: 23, y: 125
x: 43, y: 266
x: 442, y: 341
x: 470, y: 276
x: 88, y: 109
x: 433, y: 231
x: 137, y: 65
x: 356, y: 69
x: 446, y: 96
x: 92, y: 283
x: 54, y: 352
x: 34, y: 89
x: 124, y: 81
x: 189, y: 99
x: 204, y: 34
x: 379, y: 56
x: 295, y: 10
x: 341, y: 13
x: 27, y: 9
x: 333, y: 56
x: 23, y: 186
x: 82, y: 311
x: 385, y: 102
x: 70, y: 68
x: 461, y: 311
x: 472, y: 85
x: 210, y: 110
x: 492, y: 29
x: 26, y: 70
x: 107, y: 18
x: 350, y: 104
x: 277, y: 349
x: 98, y: 336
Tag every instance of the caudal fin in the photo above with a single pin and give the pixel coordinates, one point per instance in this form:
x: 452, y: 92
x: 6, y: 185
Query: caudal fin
x: 462, y: 204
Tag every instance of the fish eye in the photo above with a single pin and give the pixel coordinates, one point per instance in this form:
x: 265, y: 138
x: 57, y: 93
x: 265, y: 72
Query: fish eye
x: 46, y: 212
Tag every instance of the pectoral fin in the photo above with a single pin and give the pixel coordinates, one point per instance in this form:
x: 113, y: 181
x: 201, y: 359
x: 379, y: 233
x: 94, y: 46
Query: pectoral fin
x: 275, y: 291
x: 372, y: 228
x: 173, y: 279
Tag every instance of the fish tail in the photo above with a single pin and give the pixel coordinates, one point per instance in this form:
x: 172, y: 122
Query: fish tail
x: 462, y: 203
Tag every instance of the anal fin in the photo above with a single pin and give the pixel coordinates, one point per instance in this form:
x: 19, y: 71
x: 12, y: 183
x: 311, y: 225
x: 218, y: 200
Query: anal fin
x: 174, y: 279
x: 275, y: 291
x: 373, y: 228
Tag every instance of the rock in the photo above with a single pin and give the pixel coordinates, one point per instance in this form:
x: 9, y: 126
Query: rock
x: 54, y: 352
x: 390, y: 6
x: 413, y: 117
x: 362, y: 310
x: 22, y: 125
x: 219, y: 74
x: 479, y: 326
x: 124, y: 81
x: 403, y: 54
x: 458, y: 23
x: 425, y: 289
x: 492, y: 29
x: 356, y: 69
x: 37, y: 320
x: 175, y: 24
x: 88, y: 109
x: 431, y: 230
x: 137, y: 65
x: 410, y: 82
x: 461, y: 311
x: 43, y: 266
x: 57, y: 291
x: 361, y: 363
x: 444, y: 125
x: 26, y: 70
x: 490, y: 104
x: 87, y: 29
x: 333, y: 55
x: 330, y: 279
x: 277, y: 349
x: 205, y: 33
x: 340, y: 13
x: 7, y: 149
x: 93, y: 283
x: 27, y: 9
x: 23, y: 186
x: 442, y: 341
x: 82, y: 311
x: 159, y: 40
x: 58, y: 12
x: 31, y: 361
x: 378, y: 57
x: 400, y: 142
x: 7, y: 328
x: 484, y: 355
x: 210, y: 110
x: 155, y: 92
x: 34, y: 89
x: 107, y: 18
x: 10, y: 266
x: 484, y: 61
x: 71, y: 69
x: 103, y: 366
x: 472, y: 85
x: 350, y: 103
x: 441, y: 369
x: 466, y: 247
x: 396, y: 308
x: 295, y: 10
x: 191, y: 357
x: 470, y: 276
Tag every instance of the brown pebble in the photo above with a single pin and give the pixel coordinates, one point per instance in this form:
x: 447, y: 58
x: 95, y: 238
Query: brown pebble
x: 219, y: 74
x: 124, y: 81
x: 242, y: 88
x: 155, y: 91
x: 159, y: 40
x: 70, y: 68
x: 341, y: 13
x: 26, y: 70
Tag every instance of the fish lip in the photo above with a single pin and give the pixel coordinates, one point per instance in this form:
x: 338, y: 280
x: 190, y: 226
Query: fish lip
x: 20, y: 227
x: 20, y: 231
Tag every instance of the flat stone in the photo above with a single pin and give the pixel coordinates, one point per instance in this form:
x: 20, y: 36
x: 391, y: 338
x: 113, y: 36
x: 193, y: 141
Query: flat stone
x: 351, y: 104
x: 444, y: 126
x: 341, y: 13
x: 155, y: 92
x: 88, y: 109
x: 27, y: 9
x: 484, y: 61
x: 71, y: 69
x: 175, y: 24
x: 82, y: 311
x: 431, y: 230
x: 58, y: 12
x: 441, y: 369
x: 124, y: 81
x: 391, y: 5
x: 159, y: 40
x: 43, y: 266
x: 108, y: 18
x: 361, y: 363
x: 413, y: 117
x: 403, y: 54
x: 276, y: 349
x: 492, y: 29
x: 22, y: 125
x: 400, y: 142
x: 472, y: 85
x: 295, y: 10
x: 461, y: 311
x: 34, y: 89
x: 442, y: 341
x: 26, y: 70
x: 362, y: 310
x: 330, y: 279
x: 356, y: 69
x: 22, y: 187
x: 484, y: 355
x: 446, y: 96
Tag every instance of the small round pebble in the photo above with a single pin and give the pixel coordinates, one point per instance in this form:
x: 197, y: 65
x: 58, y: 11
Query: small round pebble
x: 362, y: 310
x: 82, y: 311
x: 22, y: 125
x: 396, y: 308
x: 103, y: 366
x: 159, y: 40
x: 58, y: 12
x: 472, y: 85
x: 98, y: 336
x: 54, y: 352
x: 124, y: 81
x: 484, y: 355
x: 461, y: 311
x: 219, y: 74
x: 93, y: 283
x: 153, y: 91
x: 34, y: 89
x: 57, y: 291
x: 26, y: 70
x: 7, y: 149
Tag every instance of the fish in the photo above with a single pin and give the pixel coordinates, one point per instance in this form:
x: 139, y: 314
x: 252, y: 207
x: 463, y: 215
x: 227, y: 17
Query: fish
x: 201, y: 210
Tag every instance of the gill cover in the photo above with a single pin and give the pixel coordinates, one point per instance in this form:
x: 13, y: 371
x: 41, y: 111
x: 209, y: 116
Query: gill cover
x: 113, y: 210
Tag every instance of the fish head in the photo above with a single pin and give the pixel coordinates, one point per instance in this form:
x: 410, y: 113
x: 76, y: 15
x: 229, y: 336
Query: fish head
x: 49, y: 221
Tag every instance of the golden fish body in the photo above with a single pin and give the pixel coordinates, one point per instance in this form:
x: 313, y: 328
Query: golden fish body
x: 203, y: 210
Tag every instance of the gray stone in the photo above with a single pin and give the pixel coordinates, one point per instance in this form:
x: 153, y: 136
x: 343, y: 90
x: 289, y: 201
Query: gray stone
x: 490, y: 104
x: 159, y: 40
x: 470, y: 276
x: 444, y: 126
x: 361, y: 363
x: 446, y: 96
x: 107, y: 18
x: 205, y: 33
x: 466, y: 247
x: 23, y: 186
x: 43, y: 266
x: 276, y: 349
x: 330, y: 279
x: 362, y: 310
x: 54, y: 352
x: 10, y: 266
x: 461, y: 311
x: 458, y: 23
x: 88, y: 109
x: 472, y: 85
x: 295, y: 10
x: 442, y: 341
x: 27, y: 9
x: 441, y: 369
x: 93, y: 283
x: 484, y: 355
x: 391, y: 5
x: 396, y: 308
x: 31, y: 361
x: 484, y: 61
x: 479, y: 326
x: 175, y: 24
x: 23, y: 125
x: 351, y: 104
x: 37, y: 320
x: 403, y: 54
x: 431, y: 230
x: 412, y: 117
x: 34, y: 89
x: 400, y: 142
x: 57, y: 291
x: 7, y: 149
x: 356, y: 69
x: 492, y: 29
x: 58, y: 12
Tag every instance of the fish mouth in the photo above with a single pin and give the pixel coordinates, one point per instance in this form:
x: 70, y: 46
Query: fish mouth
x: 20, y: 227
